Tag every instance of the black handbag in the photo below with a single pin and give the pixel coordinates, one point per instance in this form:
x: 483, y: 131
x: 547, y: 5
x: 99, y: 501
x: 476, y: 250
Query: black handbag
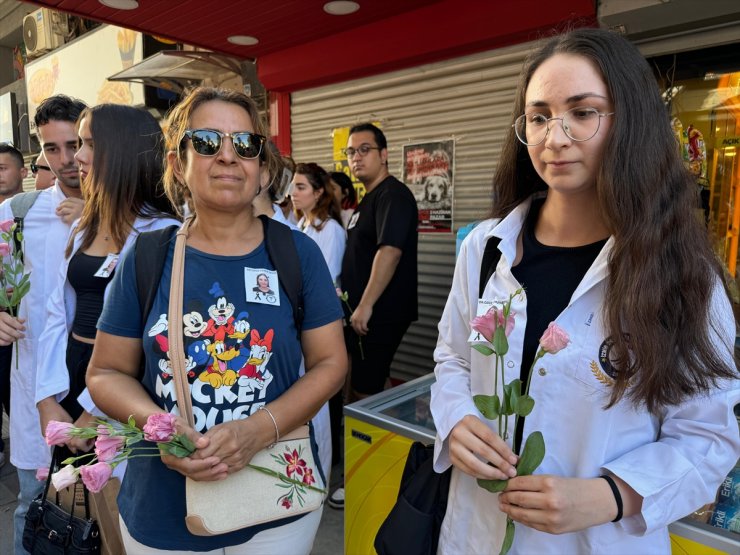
x: 52, y: 530
x: 413, y: 525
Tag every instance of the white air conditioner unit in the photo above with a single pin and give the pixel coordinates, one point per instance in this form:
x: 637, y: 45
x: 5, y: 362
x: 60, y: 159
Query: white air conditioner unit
x: 44, y: 30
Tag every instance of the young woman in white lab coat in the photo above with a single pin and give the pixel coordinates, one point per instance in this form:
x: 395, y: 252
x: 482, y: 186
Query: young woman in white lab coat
x: 595, y: 216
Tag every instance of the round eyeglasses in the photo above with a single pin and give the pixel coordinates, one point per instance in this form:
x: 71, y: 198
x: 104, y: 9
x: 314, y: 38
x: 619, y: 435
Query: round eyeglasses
x: 362, y: 150
x: 579, y: 124
x: 207, y: 142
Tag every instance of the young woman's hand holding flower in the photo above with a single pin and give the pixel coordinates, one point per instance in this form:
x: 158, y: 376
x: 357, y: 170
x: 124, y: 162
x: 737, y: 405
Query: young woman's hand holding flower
x: 473, y: 445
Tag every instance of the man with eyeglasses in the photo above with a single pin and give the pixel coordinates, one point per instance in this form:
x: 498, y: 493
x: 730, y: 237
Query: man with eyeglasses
x: 379, y: 267
x: 45, y: 229
x: 40, y: 170
x: 379, y: 270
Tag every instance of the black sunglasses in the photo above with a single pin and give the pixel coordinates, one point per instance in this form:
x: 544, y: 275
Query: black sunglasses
x: 36, y: 167
x: 207, y: 142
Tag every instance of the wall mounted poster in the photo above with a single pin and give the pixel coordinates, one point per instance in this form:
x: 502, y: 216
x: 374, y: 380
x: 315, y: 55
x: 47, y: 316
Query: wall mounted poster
x: 428, y: 170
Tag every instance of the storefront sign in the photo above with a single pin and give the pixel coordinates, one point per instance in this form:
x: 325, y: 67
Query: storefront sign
x: 81, y: 69
x: 428, y: 169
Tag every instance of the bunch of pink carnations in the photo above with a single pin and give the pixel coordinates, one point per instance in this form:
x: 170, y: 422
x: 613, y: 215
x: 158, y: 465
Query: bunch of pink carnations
x: 14, y: 282
x: 114, y: 443
x: 495, y: 326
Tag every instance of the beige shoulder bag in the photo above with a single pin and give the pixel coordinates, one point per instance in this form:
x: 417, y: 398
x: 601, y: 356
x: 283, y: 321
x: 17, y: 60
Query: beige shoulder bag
x: 289, y: 483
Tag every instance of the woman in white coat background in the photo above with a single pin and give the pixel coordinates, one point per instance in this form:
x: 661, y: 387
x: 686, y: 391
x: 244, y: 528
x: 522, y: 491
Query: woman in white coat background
x: 121, y: 164
x: 594, y: 216
x: 313, y: 197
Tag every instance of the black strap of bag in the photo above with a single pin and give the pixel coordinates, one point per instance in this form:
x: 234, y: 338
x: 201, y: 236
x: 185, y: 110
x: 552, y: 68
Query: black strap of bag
x: 284, y: 256
x: 489, y: 261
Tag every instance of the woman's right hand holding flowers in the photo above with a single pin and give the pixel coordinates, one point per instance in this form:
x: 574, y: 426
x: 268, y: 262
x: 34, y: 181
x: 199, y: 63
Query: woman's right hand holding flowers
x: 200, y: 469
x: 480, y: 452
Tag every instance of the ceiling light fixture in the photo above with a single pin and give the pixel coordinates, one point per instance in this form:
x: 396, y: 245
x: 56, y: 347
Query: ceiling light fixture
x: 341, y: 7
x: 120, y: 4
x: 243, y: 40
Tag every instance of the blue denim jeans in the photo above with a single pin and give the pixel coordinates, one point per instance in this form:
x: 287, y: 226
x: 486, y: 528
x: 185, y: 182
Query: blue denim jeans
x: 30, y: 487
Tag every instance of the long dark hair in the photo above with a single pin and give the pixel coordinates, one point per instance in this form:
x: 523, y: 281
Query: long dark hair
x: 327, y: 205
x: 125, y: 180
x: 662, y: 270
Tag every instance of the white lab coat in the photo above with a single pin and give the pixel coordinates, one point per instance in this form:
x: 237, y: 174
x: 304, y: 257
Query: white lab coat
x: 53, y: 376
x: 45, y: 238
x: 332, y: 240
x: 676, y: 460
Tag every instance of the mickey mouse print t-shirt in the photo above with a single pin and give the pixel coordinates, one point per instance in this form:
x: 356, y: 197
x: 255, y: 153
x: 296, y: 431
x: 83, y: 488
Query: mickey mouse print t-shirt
x: 242, y: 351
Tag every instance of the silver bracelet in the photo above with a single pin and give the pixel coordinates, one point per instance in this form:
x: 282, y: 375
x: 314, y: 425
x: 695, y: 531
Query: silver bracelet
x: 277, y: 432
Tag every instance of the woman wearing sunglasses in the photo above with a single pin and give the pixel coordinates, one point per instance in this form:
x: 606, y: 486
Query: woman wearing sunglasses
x: 314, y: 199
x: 217, y: 156
x: 593, y: 217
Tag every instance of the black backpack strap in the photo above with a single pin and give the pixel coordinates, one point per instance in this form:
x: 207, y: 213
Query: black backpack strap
x: 21, y: 203
x: 284, y: 256
x: 491, y: 256
x: 150, y: 251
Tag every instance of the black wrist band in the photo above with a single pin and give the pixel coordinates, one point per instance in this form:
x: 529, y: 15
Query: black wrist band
x: 617, y: 496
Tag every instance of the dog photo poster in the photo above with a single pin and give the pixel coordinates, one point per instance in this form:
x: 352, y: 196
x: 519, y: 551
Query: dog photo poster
x: 428, y: 170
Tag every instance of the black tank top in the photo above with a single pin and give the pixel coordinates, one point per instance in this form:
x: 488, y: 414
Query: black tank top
x: 90, y: 291
x: 550, y: 276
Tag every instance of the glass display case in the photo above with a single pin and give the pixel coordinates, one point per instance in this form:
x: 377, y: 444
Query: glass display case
x: 380, y: 429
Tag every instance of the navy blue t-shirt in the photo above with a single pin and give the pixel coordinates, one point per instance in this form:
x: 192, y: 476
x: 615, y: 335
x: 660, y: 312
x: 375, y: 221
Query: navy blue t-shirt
x: 242, y: 351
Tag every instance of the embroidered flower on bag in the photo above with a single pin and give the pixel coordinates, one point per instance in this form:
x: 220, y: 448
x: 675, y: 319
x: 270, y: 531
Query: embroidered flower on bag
x: 295, y: 463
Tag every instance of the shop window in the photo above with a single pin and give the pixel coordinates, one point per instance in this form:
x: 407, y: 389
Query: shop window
x: 702, y: 92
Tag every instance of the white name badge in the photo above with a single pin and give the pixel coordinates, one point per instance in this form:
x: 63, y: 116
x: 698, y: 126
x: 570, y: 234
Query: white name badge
x: 484, y: 306
x: 261, y: 286
x: 107, y: 267
x: 353, y: 220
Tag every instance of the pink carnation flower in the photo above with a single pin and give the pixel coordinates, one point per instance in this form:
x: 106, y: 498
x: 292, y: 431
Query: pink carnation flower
x: 95, y: 476
x: 159, y: 427
x: 64, y: 477
x: 486, y: 324
x: 555, y: 339
x: 57, y: 433
x: 6, y: 225
x: 107, y: 447
x: 42, y: 474
x: 4, y: 249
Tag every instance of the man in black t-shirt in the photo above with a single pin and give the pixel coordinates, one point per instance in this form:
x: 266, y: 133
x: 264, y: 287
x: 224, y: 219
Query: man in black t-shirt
x: 379, y: 267
x: 378, y: 272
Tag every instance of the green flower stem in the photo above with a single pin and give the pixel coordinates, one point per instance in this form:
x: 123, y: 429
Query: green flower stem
x: 504, y: 414
x: 537, y: 357
x: 285, y: 478
x: 495, y: 389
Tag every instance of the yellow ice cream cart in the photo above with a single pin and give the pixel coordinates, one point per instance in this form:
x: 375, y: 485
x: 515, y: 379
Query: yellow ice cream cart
x: 378, y: 433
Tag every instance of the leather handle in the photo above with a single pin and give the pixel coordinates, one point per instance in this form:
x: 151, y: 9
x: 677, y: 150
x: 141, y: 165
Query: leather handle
x: 174, y: 326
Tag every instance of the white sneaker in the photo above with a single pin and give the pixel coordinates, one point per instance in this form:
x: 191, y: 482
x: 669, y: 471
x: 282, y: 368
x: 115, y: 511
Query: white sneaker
x: 336, y: 499
x: 2, y: 462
